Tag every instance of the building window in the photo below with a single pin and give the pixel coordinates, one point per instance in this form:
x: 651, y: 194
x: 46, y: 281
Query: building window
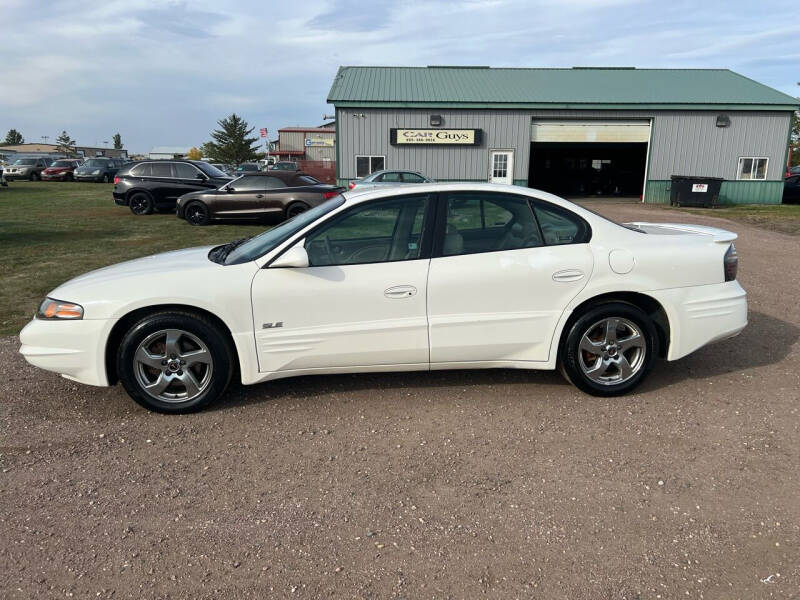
x: 366, y: 165
x: 752, y: 168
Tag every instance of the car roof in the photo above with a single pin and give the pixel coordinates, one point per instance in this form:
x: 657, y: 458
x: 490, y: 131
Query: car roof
x: 278, y: 174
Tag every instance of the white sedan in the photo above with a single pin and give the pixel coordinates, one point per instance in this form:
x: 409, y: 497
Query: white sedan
x: 444, y: 276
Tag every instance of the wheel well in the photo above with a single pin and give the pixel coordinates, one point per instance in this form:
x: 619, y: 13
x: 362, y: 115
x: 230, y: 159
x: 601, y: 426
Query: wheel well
x: 130, y: 193
x: 649, y: 305
x: 121, y: 327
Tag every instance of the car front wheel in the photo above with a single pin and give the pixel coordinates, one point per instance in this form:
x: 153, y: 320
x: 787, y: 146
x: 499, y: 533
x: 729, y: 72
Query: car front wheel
x: 174, y: 362
x: 295, y: 209
x: 609, y: 349
x: 196, y: 214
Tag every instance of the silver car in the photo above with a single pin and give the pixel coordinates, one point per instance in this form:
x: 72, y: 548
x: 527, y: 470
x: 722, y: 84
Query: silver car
x: 385, y: 178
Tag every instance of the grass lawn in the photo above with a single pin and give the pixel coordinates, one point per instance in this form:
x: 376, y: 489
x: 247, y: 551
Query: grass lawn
x: 776, y: 217
x: 53, y: 231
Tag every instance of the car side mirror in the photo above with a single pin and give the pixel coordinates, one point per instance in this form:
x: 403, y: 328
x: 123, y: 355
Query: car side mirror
x: 295, y: 257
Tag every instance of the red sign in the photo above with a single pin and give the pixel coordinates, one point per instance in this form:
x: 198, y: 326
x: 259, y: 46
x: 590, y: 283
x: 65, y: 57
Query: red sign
x: 264, y: 132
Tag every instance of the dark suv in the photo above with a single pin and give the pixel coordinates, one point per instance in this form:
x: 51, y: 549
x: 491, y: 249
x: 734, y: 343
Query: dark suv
x: 98, y: 169
x: 157, y: 184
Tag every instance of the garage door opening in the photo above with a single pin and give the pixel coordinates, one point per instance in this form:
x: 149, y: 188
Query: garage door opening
x: 588, y: 169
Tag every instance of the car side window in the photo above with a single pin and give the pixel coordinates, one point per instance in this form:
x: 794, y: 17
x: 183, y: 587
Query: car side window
x: 560, y: 226
x: 185, y: 171
x: 413, y: 178
x: 249, y: 184
x: 380, y: 231
x: 144, y: 170
x: 272, y: 183
x: 161, y: 170
x: 488, y: 222
x: 389, y: 178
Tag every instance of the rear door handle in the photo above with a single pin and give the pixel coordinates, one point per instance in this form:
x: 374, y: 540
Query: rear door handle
x: 568, y: 275
x: 400, y: 291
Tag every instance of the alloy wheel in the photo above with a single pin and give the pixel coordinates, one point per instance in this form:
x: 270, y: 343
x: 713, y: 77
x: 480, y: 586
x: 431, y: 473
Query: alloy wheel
x: 612, y: 351
x: 173, y: 365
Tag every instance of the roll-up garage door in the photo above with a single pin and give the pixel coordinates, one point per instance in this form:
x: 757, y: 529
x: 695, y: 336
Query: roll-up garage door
x: 546, y: 130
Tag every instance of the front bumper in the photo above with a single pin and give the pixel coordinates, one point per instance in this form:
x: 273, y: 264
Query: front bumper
x: 15, y: 175
x: 702, y: 314
x: 73, y: 349
x: 54, y: 176
x: 94, y: 178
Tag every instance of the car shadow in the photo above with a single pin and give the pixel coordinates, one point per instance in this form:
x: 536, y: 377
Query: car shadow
x: 766, y: 340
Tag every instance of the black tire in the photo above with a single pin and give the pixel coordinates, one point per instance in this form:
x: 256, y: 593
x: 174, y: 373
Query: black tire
x: 614, y: 359
x: 140, y: 204
x: 106, y: 178
x: 191, y: 325
x: 196, y: 213
x: 35, y: 177
x: 295, y: 209
x: 69, y: 177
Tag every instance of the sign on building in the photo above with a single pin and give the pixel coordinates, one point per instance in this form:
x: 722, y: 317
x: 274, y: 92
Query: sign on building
x: 441, y: 137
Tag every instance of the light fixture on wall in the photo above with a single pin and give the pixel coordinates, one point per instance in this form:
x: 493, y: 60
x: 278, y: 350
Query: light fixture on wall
x: 723, y: 121
x: 436, y: 120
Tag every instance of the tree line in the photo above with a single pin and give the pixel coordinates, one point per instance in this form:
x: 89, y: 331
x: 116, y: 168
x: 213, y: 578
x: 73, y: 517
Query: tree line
x: 64, y: 142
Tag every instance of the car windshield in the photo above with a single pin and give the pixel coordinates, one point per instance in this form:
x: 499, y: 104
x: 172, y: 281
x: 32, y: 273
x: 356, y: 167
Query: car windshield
x: 62, y: 163
x: 270, y: 239
x: 210, y: 170
x: 25, y: 161
x: 95, y: 162
x: 247, y: 167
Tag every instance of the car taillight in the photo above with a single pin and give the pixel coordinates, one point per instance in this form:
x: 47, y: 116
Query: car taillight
x: 329, y: 195
x: 731, y: 263
x: 352, y: 185
x: 116, y: 180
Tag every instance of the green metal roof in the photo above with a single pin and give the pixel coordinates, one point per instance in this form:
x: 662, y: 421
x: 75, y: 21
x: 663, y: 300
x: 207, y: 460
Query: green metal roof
x: 578, y: 87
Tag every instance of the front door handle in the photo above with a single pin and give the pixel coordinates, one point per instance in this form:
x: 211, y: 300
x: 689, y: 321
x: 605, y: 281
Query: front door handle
x: 400, y: 291
x: 568, y: 275
x: 259, y: 195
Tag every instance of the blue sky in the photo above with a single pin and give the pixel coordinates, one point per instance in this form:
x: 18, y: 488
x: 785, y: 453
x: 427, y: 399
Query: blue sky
x: 163, y: 72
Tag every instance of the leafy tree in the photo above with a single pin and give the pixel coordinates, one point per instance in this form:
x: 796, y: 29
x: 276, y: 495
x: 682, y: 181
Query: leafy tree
x: 117, y: 141
x: 194, y: 154
x: 65, y: 144
x: 231, y: 143
x: 14, y: 137
x: 794, y: 141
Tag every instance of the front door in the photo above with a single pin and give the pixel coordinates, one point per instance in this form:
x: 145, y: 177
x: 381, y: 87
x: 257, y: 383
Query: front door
x: 241, y: 198
x: 501, y: 166
x: 360, y: 303
x: 501, y: 276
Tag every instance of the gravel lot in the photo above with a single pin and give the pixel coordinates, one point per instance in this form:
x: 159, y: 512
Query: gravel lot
x: 444, y: 485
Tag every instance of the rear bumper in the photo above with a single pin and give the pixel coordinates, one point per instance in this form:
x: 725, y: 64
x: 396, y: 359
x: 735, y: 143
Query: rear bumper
x: 700, y: 315
x: 120, y: 199
x: 74, y: 349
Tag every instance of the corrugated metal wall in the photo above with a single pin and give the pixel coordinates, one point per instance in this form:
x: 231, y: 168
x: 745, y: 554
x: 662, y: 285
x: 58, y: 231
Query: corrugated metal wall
x: 321, y: 152
x: 684, y: 142
x: 291, y: 140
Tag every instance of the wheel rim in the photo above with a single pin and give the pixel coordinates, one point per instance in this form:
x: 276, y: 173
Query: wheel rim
x: 139, y: 205
x: 173, y: 365
x: 196, y: 214
x: 295, y: 210
x: 612, y: 351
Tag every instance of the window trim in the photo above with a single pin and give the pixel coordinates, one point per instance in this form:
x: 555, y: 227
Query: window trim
x: 370, y: 157
x: 752, y: 168
x: 427, y: 234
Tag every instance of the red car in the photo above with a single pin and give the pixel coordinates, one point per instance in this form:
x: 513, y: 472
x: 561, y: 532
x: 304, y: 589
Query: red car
x: 60, y: 170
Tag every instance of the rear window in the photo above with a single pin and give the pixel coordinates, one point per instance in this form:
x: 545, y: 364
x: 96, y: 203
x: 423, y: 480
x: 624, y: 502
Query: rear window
x: 161, y: 169
x: 95, y: 162
x: 560, y: 226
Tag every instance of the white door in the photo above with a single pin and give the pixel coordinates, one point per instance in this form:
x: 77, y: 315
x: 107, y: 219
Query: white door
x: 362, y: 300
x: 501, y: 166
x: 499, y: 281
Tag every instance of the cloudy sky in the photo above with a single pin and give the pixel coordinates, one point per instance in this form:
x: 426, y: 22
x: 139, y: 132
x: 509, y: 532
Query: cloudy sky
x: 162, y: 72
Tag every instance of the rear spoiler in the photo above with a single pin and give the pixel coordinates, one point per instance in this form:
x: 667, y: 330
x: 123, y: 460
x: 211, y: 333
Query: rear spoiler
x: 719, y: 235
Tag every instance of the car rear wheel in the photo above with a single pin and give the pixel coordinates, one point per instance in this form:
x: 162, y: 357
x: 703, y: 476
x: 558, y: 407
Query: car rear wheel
x: 68, y: 177
x: 174, y: 362
x: 609, y: 349
x: 34, y: 176
x: 140, y: 204
x: 196, y: 213
x: 295, y: 209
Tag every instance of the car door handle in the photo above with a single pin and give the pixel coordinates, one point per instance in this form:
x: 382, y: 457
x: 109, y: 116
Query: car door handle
x: 259, y: 195
x: 568, y: 275
x: 400, y: 291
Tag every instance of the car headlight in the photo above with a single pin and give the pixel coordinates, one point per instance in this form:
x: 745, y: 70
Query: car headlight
x: 52, y: 309
x: 96, y: 172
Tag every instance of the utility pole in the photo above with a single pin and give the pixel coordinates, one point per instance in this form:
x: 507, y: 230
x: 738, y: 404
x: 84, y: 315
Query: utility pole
x: 45, y: 138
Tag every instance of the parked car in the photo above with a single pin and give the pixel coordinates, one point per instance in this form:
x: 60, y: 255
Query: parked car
x: 99, y: 169
x: 444, y: 276
x: 791, y: 190
x: 246, y: 168
x: 156, y: 185
x: 227, y: 169
x: 256, y: 196
x: 61, y: 170
x: 793, y: 171
x: 284, y: 165
x: 386, y: 178
x: 26, y: 168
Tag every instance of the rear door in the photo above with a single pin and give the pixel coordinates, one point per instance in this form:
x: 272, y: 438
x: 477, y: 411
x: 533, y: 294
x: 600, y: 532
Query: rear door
x: 160, y: 181
x: 500, y: 277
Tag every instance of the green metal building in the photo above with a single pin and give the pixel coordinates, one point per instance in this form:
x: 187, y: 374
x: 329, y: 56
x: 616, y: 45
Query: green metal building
x: 573, y: 132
